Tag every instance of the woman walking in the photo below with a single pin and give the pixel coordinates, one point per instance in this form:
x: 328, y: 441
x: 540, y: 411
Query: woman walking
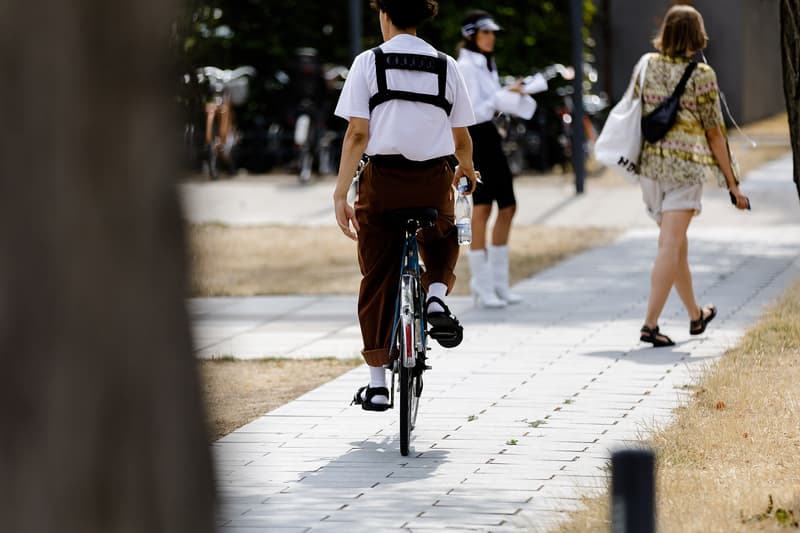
x: 408, y: 110
x: 676, y: 166
x: 489, y: 264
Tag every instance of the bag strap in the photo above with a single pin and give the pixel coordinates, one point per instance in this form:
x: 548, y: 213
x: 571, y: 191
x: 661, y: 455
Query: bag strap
x: 642, y: 73
x: 641, y: 67
x: 684, y: 79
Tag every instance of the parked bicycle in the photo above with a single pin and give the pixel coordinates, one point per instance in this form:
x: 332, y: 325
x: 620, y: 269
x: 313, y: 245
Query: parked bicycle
x: 546, y: 139
x: 228, y: 88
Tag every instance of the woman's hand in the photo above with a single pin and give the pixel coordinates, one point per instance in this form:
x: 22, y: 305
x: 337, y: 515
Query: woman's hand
x: 741, y: 200
x: 345, y: 217
x: 473, y: 176
x: 517, y: 87
x: 355, y: 142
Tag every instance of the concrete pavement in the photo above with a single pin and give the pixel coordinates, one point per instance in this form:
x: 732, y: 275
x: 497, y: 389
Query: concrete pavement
x: 517, y: 423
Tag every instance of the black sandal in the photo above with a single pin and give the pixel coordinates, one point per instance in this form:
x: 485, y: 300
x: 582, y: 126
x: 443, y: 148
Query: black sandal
x: 445, y: 327
x: 653, y: 336
x: 366, y: 402
x: 696, y: 327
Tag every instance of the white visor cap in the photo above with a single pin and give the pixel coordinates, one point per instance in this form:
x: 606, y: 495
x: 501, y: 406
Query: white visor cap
x: 486, y: 23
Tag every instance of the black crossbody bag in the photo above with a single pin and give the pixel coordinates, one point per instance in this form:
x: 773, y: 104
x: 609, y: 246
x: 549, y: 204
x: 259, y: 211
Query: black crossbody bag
x: 660, y: 120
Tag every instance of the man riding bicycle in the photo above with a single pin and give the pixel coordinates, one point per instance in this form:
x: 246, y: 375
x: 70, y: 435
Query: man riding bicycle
x: 408, y: 110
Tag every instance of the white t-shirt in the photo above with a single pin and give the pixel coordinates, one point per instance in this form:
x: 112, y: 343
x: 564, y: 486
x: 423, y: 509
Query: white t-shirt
x: 485, y: 92
x: 415, y: 130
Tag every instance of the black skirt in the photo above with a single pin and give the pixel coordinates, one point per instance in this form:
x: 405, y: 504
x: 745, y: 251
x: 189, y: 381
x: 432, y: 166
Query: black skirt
x: 490, y: 161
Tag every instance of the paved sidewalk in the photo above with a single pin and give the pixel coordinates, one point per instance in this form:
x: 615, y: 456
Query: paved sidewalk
x: 517, y: 422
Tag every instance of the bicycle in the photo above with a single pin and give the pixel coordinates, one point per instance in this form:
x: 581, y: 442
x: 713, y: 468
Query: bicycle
x: 228, y: 88
x: 409, y: 328
x: 409, y: 335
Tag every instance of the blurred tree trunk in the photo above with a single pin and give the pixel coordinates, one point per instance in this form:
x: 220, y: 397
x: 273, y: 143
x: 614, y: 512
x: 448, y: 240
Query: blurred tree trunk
x: 790, y: 53
x: 101, y: 423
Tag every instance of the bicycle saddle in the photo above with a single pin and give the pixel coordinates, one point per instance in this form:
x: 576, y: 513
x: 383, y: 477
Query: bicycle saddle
x: 413, y: 218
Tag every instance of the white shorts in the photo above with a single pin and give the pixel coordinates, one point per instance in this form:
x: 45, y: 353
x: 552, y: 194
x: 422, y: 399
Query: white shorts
x: 659, y: 197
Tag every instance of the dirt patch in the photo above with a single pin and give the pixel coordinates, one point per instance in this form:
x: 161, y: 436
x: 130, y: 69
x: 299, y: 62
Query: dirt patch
x: 730, y: 460
x: 235, y: 261
x: 237, y: 392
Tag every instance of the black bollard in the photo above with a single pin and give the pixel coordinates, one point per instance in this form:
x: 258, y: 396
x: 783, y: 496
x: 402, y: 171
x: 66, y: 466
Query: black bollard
x: 632, y: 491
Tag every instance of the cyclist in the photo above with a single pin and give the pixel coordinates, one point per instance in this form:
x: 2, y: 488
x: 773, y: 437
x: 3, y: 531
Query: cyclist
x: 408, y: 110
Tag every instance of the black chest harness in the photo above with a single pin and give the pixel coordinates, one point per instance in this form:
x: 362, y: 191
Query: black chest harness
x: 417, y: 62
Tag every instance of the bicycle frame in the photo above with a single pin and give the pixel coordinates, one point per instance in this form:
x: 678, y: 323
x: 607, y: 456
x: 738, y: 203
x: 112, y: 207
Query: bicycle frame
x: 405, y: 315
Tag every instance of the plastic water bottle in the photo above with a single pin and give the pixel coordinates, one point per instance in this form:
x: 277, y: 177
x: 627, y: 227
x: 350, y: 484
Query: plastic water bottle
x: 463, y: 211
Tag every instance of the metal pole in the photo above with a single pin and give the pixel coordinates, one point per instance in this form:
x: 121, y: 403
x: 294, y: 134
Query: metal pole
x: 356, y: 31
x: 632, y: 492
x: 578, y: 135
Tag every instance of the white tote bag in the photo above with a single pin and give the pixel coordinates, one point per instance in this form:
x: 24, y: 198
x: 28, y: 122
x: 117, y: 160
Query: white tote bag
x: 619, y: 144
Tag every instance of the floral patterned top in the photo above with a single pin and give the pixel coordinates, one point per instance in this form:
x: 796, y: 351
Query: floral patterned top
x: 683, y: 156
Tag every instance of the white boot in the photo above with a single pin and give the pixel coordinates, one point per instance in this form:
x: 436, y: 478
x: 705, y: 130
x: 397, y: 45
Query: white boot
x: 481, y: 282
x: 498, y: 264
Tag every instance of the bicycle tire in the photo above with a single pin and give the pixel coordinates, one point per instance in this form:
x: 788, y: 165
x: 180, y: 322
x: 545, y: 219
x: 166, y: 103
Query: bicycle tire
x: 212, y: 160
x: 407, y: 340
x: 406, y: 394
x: 306, y: 167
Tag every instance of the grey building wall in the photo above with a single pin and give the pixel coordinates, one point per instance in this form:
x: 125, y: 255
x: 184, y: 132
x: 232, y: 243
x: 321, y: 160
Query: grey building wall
x: 744, y: 48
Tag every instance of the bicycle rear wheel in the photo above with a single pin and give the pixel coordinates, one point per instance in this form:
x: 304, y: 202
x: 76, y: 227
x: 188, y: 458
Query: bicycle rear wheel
x: 410, y: 388
x: 410, y: 376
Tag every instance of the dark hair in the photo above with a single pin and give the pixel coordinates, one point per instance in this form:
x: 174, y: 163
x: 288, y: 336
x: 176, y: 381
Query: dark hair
x: 468, y: 42
x: 407, y: 13
x: 682, y: 31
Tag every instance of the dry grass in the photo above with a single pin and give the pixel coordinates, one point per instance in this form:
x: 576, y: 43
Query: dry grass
x: 234, y: 261
x: 237, y: 392
x: 228, y: 261
x: 736, y: 444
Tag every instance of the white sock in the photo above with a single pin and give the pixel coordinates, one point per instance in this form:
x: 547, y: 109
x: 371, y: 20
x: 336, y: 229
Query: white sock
x: 377, y: 378
x: 439, y: 290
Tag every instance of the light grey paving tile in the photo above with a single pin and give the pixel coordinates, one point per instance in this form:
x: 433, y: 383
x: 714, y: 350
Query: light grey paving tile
x: 525, y: 378
x: 262, y: 529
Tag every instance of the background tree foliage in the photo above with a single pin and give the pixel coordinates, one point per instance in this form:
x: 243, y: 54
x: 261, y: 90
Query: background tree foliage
x: 266, y: 33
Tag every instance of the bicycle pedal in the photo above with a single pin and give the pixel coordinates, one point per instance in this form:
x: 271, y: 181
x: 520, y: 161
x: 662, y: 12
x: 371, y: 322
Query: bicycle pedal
x: 445, y: 336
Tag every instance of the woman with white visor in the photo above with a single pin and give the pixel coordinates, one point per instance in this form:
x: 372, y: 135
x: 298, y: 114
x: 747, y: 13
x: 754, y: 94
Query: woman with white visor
x: 489, y: 264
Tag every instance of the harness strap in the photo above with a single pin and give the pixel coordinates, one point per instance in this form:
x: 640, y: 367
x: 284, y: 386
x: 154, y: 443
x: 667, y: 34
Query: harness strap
x: 416, y: 62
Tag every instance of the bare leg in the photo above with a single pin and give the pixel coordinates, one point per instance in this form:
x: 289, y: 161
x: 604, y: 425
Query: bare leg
x: 480, y: 218
x: 211, y: 111
x: 502, y: 226
x: 672, y: 236
x: 683, y: 282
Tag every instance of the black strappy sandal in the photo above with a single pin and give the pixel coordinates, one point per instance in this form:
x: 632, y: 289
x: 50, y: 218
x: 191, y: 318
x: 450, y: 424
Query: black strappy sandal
x: 696, y: 327
x: 445, y: 327
x: 653, y: 336
x: 366, y: 403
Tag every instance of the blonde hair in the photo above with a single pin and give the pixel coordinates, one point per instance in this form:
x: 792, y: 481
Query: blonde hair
x: 682, y: 32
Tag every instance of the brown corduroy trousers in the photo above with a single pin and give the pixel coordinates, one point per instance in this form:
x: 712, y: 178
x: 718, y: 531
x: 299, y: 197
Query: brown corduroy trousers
x: 380, y: 244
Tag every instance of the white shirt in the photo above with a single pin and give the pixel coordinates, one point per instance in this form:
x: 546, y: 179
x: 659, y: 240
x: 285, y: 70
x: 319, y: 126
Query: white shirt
x: 485, y: 92
x: 415, y: 130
